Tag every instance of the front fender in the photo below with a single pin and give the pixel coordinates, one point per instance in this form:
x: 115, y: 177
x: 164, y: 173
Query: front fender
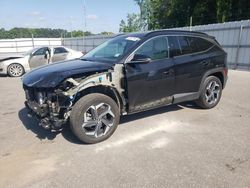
x: 24, y: 61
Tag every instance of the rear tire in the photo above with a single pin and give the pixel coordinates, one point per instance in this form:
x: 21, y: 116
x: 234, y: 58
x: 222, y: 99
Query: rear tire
x: 15, y: 70
x: 210, y: 93
x: 94, y: 118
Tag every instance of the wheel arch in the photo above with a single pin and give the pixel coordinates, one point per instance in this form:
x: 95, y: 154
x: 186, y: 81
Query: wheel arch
x: 217, y: 72
x: 102, y: 89
x: 220, y: 76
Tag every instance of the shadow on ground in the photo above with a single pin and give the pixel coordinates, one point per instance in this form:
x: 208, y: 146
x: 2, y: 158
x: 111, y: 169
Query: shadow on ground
x: 42, y: 134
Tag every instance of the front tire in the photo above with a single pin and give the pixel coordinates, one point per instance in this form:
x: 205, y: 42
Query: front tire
x: 15, y: 70
x: 210, y: 93
x: 94, y: 118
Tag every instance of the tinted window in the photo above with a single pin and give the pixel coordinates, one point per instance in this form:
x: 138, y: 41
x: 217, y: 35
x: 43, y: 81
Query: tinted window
x: 185, y: 48
x: 41, y: 51
x: 155, y: 48
x: 174, y: 46
x: 193, y: 42
x: 203, y: 44
x: 60, y: 50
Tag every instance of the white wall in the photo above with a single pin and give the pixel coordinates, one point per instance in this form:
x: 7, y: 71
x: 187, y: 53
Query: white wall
x: 24, y: 44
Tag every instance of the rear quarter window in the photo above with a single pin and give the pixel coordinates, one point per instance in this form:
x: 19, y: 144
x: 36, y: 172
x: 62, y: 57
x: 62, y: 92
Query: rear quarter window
x: 60, y: 50
x: 203, y: 44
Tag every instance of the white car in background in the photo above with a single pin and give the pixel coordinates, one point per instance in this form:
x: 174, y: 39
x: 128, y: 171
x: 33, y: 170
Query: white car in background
x: 18, y: 65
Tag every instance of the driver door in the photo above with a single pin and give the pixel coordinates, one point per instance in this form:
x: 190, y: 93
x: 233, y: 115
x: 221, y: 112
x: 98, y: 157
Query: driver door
x: 39, y: 57
x: 150, y: 84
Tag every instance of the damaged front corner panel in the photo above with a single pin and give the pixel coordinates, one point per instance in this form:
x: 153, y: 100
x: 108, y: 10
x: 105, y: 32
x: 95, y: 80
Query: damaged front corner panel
x: 111, y: 78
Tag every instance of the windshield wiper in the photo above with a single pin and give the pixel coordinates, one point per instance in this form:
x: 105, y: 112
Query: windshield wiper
x: 84, y: 59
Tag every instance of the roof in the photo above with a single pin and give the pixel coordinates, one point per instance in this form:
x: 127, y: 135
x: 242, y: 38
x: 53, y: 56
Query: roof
x: 173, y: 31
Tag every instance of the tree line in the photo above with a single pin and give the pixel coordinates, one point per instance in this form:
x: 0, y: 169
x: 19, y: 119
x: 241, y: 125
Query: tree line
x: 43, y: 33
x: 161, y: 14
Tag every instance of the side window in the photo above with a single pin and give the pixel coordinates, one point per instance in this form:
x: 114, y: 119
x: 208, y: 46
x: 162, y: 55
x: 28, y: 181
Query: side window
x: 174, y: 46
x: 185, y: 48
x: 155, y: 48
x: 60, y: 50
x: 193, y: 44
x: 203, y: 44
x: 41, y: 51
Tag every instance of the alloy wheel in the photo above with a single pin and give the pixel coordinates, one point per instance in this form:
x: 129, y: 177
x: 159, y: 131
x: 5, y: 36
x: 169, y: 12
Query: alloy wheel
x: 212, y: 92
x: 98, y: 119
x: 15, y: 70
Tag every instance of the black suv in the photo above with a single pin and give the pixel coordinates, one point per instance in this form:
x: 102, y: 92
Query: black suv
x: 127, y: 74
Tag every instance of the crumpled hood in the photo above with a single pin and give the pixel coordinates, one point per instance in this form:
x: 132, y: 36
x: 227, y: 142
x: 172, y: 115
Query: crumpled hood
x: 49, y: 76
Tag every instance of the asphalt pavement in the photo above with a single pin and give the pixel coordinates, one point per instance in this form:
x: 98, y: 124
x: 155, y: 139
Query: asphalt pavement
x: 174, y: 146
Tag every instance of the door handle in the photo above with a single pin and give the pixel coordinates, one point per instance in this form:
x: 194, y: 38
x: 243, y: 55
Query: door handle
x: 206, y: 63
x: 169, y: 72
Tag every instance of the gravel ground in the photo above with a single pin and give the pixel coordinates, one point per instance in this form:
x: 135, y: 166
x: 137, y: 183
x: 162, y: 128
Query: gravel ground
x: 174, y: 146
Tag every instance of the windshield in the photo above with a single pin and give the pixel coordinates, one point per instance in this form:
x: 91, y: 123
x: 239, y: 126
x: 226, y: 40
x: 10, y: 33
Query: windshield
x: 113, y: 49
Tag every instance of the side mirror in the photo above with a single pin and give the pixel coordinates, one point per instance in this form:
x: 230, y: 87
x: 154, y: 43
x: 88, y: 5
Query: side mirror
x: 32, y: 54
x: 139, y: 58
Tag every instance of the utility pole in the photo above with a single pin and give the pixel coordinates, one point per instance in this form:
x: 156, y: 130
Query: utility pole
x: 84, y: 15
x: 71, y: 26
x: 32, y: 37
x: 84, y: 25
x: 191, y: 23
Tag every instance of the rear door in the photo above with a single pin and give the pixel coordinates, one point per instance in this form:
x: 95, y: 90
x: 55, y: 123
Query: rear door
x: 150, y: 82
x: 191, y: 64
x: 60, y: 54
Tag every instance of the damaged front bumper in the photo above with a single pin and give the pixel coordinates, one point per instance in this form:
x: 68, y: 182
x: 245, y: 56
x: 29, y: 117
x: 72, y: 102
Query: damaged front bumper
x: 51, y: 109
x: 41, y: 113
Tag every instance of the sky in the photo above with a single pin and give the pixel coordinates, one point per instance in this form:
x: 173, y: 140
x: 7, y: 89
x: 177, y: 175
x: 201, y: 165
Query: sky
x: 101, y: 15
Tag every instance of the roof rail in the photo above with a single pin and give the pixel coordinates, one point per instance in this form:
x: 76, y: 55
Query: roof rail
x: 176, y: 30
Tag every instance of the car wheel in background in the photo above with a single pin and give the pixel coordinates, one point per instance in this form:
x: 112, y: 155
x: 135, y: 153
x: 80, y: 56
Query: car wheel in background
x: 15, y: 70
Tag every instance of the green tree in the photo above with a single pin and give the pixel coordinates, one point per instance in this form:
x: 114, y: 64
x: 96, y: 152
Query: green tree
x: 131, y: 25
x: 40, y: 33
x: 106, y: 33
x: 77, y: 33
x: 144, y: 6
x: 156, y: 14
x: 223, y: 10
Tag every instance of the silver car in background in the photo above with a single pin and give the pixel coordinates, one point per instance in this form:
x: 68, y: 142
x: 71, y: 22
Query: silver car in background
x: 18, y: 65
